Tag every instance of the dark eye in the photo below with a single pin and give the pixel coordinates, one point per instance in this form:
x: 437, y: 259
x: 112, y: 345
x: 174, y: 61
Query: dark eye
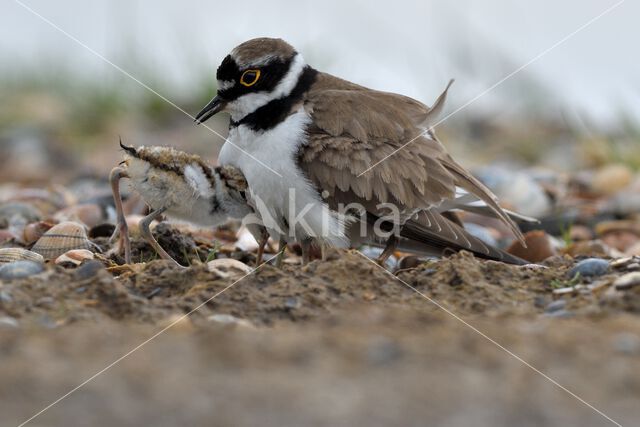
x: 249, y: 77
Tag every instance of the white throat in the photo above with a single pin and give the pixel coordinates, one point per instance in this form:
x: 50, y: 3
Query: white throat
x: 250, y: 102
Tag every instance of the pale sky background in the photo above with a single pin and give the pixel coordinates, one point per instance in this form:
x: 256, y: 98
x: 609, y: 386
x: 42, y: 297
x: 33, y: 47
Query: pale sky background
x: 411, y: 47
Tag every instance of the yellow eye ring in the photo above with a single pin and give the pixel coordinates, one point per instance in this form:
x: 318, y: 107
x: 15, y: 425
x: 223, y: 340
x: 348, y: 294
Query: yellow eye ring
x: 252, y: 78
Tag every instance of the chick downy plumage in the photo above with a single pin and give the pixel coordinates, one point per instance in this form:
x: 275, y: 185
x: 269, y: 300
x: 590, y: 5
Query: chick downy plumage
x: 181, y: 186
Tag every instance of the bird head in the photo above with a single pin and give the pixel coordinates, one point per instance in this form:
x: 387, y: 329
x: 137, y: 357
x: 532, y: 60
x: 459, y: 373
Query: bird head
x: 255, y: 73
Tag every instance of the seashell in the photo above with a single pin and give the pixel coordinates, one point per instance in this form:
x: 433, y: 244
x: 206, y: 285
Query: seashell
x: 62, y: 238
x: 32, y: 232
x: 8, y: 255
x: 74, y: 257
x: 88, y: 214
x: 20, y: 269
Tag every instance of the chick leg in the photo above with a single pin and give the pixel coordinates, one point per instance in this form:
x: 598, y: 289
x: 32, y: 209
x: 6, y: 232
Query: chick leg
x: 282, y: 246
x: 146, y: 234
x: 392, y: 244
x: 122, y: 230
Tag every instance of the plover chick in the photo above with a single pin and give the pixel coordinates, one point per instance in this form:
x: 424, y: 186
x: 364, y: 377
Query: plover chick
x: 183, y: 187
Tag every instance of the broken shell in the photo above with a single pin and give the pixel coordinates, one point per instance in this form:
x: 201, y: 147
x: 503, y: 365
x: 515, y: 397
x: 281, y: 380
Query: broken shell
x: 62, y: 238
x: 34, y: 231
x: 74, y: 257
x: 8, y: 255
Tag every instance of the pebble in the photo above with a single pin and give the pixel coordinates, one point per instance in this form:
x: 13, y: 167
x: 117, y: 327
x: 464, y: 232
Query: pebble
x: 627, y: 281
x: 611, y: 179
x: 88, y: 269
x: 556, y: 305
x: 8, y: 322
x: 539, y: 247
x: 292, y: 303
x: 228, y: 319
x: 590, y: 267
x: 227, y: 267
x: 20, y: 269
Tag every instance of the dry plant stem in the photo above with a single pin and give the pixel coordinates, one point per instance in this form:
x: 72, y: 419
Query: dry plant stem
x: 146, y: 234
x: 281, y: 248
x: 121, y: 230
x: 392, y: 243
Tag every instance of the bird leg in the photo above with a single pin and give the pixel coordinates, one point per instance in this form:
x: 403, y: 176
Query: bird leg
x: 392, y: 244
x: 146, y: 234
x: 261, y: 244
x: 324, y: 251
x: 282, y: 245
x: 305, y: 245
x: 121, y: 230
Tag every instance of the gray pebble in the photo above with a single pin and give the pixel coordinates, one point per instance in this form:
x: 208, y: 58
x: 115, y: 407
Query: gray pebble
x: 5, y: 296
x: 556, y: 305
x: 590, y: 267
x: 88, y: 269
x: 559, y: 313
x: 20, y: 269
x: 292, y: 303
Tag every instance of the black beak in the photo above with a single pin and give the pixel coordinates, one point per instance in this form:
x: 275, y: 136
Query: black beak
x: 214, y: 106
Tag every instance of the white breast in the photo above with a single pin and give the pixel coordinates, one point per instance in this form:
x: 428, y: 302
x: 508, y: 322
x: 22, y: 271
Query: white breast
x: 289, y: 205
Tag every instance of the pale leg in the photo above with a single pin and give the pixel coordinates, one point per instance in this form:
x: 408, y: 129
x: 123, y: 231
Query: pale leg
x: 146, y: 234
x: 305, y: 244
x: 121, y: 230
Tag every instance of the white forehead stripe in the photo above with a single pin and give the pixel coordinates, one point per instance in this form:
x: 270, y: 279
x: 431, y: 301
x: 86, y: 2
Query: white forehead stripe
x: 225, y: 84
x: 252, y: 101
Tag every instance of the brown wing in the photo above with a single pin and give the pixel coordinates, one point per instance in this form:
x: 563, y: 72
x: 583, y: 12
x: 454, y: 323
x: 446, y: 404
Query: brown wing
x: 354, y: 128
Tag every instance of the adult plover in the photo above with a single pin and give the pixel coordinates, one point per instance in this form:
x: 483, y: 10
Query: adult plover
x: 320, y: 135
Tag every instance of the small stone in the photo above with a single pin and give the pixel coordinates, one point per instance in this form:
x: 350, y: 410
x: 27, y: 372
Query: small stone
x: 611, y: 179
x: 627, y: 281
x: 227, y: 267
x: 292, y: 303
x: 88, y: 269
x: 589, y: 248
x: 559, y: 313
x: 590, y: 267
x: 556, y: 305
x: 5, y: 296
x: 228, y: 319
x: 20, y: 270
x: 539, y: 247
x: 8, y: 322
